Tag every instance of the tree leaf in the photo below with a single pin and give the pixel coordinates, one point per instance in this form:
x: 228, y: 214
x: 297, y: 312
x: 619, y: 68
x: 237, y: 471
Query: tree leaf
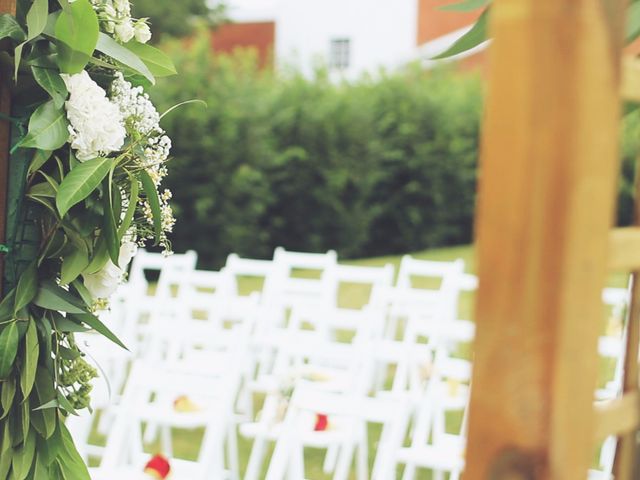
x: 24, y: 456
x: 30, y: 364
x: 100, y: 257
x: 8, y: 348
x: 109, y: 230
x: 43, y: 418
x: 53, y: 297
x: 158, y: 63
x: 36, y: 22
x: 110, y: 47
x: 27, y: 287
x: 52, y: 83
x: 10, y: 28
x: 469, y: 40
x: 95, y: 323
x: 7, y: 396
x: 70, y: 460
x: 465, y: 6
x: 77, y: 29
x: 154, y: 202
x: 73, y: 265
x: 39, y: 159
x: 48, y: 128
x: 81, y: 182
x: 131, y: 209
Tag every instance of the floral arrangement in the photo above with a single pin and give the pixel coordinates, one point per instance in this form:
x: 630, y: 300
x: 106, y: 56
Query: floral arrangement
x: 97, y: 158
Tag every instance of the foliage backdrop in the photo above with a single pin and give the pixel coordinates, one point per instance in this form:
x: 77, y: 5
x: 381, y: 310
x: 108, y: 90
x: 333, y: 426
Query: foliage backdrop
x: 379, y: 166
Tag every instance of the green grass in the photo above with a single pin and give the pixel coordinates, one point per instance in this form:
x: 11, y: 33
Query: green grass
x: 354, y: 296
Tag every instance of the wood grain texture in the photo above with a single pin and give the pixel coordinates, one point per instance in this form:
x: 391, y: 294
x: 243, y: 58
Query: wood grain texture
x: 6, y: 6
x: 618, y: 416
x: 548, y: 176
x: 624, y: 248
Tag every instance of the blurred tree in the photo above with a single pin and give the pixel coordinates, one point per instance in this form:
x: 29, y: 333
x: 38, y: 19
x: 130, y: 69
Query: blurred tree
x: 178, y: 18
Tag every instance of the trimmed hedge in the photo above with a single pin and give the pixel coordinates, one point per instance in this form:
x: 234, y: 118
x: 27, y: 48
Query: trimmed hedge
x: 385, y: 165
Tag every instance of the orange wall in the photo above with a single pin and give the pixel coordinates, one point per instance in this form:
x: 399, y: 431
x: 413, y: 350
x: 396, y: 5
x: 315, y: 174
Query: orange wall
x: 258, y: 35
x: 433, y: 22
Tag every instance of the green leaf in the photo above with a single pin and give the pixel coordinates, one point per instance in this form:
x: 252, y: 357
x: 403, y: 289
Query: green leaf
x: 8, y: 348
x: 110, y: 47
x: 65, y: 405
x: 50, y: 404
x: 30, y: 364
x: 73, y: 265
x: 39, y: 159
x: 27, y: 287
x: 131, y: 209
x: 7, y: 396
x: 77, y: 29
x: 43, y: 189
x: 109, y: 229
x: 81, y: 182
x: 36, y: 22
x: 99, y: 327
x: 82, y: 291
x: 469, y: 40
x: 23, y: 457
x: 154, y: 202
x: 6, y: 306
x: 48, y: 128
x: 37, y: 18
x: 52, y: 83
x: 44, y: 419
x: 465, y: 6
x: 633, y: 22
x: 70, y: 460
x: 40, y: 471
x: 53, y: 297
x: 158, y: 63
x: 10, y: 28
x: 100, y: 257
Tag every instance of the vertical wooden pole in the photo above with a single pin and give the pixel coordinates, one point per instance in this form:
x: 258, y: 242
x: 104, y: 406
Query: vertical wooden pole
x: 549, y: 169
x: 6, y: 6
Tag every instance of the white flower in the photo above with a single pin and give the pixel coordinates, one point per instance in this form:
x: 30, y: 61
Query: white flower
x: 122, y: 6
x: 104, y: 283
x: 142, y: 31
x: 96, y: 124
x: 125, y: 31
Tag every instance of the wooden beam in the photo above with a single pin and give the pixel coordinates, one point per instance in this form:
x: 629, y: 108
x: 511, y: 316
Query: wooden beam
x: 618, y: 416
x: 547, y: 188
x: 630, y: 87
x: 624, y: 249
x: 6, y: 6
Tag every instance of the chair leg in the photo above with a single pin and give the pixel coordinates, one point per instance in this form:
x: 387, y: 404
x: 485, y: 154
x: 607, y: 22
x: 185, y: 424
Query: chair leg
x: 362, y: 458
x: 232, y: 452
x: 330, y: 459
x: 256, y: 458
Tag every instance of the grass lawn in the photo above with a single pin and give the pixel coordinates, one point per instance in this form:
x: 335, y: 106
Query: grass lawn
x: 353, y: 296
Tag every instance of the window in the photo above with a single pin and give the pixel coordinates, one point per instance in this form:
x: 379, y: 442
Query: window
x: 340, y: 53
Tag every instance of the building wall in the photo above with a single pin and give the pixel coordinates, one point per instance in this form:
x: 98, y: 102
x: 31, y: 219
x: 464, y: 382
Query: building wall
x: 433, y: 22
x: 381, y: 32
x: 257, y: 35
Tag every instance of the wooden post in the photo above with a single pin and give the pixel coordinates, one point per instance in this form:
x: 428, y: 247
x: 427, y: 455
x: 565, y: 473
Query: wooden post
x: 6, y: 6
x: 548, y: 179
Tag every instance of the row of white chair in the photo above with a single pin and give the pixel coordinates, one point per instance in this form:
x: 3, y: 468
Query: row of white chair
x: 204, y: 354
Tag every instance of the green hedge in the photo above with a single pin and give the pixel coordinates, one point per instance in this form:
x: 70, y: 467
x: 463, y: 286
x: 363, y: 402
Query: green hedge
x: 385, y: 165
x: 374, y: 167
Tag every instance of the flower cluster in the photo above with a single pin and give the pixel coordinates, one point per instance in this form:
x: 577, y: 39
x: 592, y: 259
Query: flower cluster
x: 115, y: 18
x: 96, y: 124
x: 142, y: 123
